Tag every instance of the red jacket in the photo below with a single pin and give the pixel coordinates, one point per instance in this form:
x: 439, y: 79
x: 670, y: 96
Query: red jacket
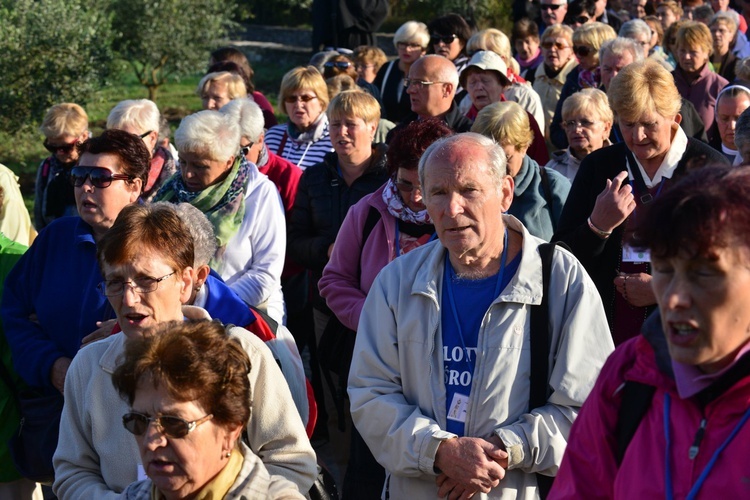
x: 285, y: 175
x: 589, y: 469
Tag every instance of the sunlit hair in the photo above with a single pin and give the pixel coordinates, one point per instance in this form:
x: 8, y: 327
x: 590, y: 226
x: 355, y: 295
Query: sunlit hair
x: 145, y: 228
x: 64, y: 119
x: 248, y: 115
x: 133, y: 156
x: 670, y: 35
x: 674, y: 7
x: 593, y: 34
x: 367, y: 54
x: 408, y: 143
x: 726, y: 19
x: 303, y: 78
x: 591, y: 103
x: 655, y: 24
x: 209, y: 133
x: 340, y: 83
x: 236, y: 56
x: 619, y: 47
x: 204, y: 238
x: 496, y: 161
x: 643, y: 87
x: 412, y: 32
x: 507, y: 123
x: 558, y: 31
x: 334, y: 71
x: 525, y: 28
x: 705, y: 211
x: 635, y: 27
x: 194, y: 361
x: 354, y: 104
x: 140, y: 114
x: 235, y: 84
x: 695, y: 35
x: 496, y: 41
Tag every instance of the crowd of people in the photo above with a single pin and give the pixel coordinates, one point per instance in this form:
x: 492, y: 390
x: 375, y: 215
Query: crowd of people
x: 495, y: 266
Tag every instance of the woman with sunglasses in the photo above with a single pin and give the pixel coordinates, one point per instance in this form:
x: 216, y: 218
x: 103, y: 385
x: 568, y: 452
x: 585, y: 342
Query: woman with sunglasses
x: 142, y: 118
x: 587, y: 75
x: 242, y: 204
x: 64, y: 127
x: 146, y: 261
x: 304, y: 140
x: 339, y: 64
x: 411, y: 40
x: 398, y: 223
x: 448, y: 37
x: 557, y: 49
x: 188, y: 430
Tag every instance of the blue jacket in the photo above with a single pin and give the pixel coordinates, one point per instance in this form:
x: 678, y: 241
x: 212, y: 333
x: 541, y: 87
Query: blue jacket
x: 55, y: 280
x: 224, y: 304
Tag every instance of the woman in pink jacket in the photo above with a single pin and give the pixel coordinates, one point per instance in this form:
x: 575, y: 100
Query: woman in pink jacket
x: 381, y: 226
x: 668, y: 417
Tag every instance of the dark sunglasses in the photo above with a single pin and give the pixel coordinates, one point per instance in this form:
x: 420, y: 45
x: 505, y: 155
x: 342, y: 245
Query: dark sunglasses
x: 100, y: 177
x: 63, y: 148
x: 446, y: 39
x: 406, y: 187
x: 559, y: 46
x: 549, y: 6
x: 174, y: 427
x: 338, y: 64
x: 580, y: 19
x: 583, y: 51
x: 143, y: 135
x: 291, y: 99
x: 244, y: 150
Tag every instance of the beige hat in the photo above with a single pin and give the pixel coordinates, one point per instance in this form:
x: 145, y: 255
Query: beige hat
x: 486, y: 60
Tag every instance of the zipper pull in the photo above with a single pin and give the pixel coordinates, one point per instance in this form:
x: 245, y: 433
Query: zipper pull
x: 698, y: 438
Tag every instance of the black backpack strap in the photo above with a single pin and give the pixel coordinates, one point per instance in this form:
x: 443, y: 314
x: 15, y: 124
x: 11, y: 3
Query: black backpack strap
x: 541, y: 344
x: 373, y: 216
x: 636, y: 400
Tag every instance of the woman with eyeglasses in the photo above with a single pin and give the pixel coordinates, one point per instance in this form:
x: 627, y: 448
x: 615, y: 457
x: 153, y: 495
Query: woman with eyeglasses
x: 242, y: 204
x: 50, y: 303
x: 142, y: 118
x: 64, y: 127
x: 305, y: 139
x: 586, y: 43
x: 188, y: 429
x: 723, y: 29
x: 339, y: 64
x: 539, y: 193
x: 587, y: 121
x: 146, y: 261
x: 411, y: 41
x: 557, y: 48
x: 448, y: 37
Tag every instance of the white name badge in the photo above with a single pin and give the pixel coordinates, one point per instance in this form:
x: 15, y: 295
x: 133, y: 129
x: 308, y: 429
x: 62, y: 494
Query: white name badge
x: 141, y: 473
x: 458, y: 407
x: 630, y: 254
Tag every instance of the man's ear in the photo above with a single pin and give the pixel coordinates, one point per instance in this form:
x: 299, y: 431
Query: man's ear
x: 449, y: 90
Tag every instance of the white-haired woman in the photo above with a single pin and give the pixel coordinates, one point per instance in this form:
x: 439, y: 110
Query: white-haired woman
x: 587, y: 121
x: 411, y: 41
x: 141, y: 117
x: 241, y: 203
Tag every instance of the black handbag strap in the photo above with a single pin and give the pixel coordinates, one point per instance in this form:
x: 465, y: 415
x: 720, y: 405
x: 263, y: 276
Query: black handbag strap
x: 640, y: 185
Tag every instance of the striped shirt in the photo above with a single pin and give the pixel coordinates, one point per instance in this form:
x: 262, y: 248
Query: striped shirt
x: 302, y: 154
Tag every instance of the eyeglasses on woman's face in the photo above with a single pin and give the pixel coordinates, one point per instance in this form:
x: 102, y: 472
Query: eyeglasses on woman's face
x: 100, y: 177
x: 143, y: 284
x: 60, y: 148
x: 173, y: 427
x: 291, y: 99
x: 557, y: 45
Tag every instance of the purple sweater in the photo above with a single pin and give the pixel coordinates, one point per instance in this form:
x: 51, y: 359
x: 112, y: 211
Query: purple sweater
x: 702, y: 92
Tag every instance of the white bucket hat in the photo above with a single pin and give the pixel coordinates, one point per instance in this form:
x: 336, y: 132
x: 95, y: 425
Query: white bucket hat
x: 486, y: 60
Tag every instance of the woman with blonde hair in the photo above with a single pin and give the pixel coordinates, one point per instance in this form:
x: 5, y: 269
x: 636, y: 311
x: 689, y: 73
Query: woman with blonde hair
x: 539, y: 193
x: 217, y: 89
x: 587, y: 121
x: 305, y: 139
x: 64, y: 127
x: 616, y: 184
x: 587, y: 40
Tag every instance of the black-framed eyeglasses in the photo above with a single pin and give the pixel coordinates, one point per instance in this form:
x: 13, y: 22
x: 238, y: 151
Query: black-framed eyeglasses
x: 244, y: 150
x: 144, y: 284
x: 418, y: 84
x: 173, y: 427
x: 549, y: 6
x: 143, y: 135
x: 100, y: 177
x: 338, y: 64
x: 583, y: 50
x: 291, y: 99
x: 446, y: 39
x: 406, y: 187
x: 63, y: 148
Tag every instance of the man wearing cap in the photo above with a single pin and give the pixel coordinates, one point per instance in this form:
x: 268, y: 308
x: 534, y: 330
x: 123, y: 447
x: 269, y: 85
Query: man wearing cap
x: 431, y: 86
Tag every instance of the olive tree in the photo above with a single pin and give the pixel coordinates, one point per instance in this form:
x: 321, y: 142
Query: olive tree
x: 51, y: 51
x: 159, y: 38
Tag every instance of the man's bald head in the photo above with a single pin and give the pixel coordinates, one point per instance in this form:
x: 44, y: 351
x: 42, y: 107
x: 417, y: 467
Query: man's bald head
x: 432, y: 99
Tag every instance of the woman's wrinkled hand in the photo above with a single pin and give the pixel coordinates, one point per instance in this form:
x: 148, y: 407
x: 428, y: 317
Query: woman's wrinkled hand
x: 614, y: 204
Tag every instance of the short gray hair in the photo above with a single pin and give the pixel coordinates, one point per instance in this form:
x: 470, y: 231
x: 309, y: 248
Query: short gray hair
x: 742, y: 129
x: 495, y: 154
x: 635, y: 27
x: 139, y: 114
x: 248, y: 115
x: 620, y: 46
x: 209, y: 132
x: 201, y: 229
